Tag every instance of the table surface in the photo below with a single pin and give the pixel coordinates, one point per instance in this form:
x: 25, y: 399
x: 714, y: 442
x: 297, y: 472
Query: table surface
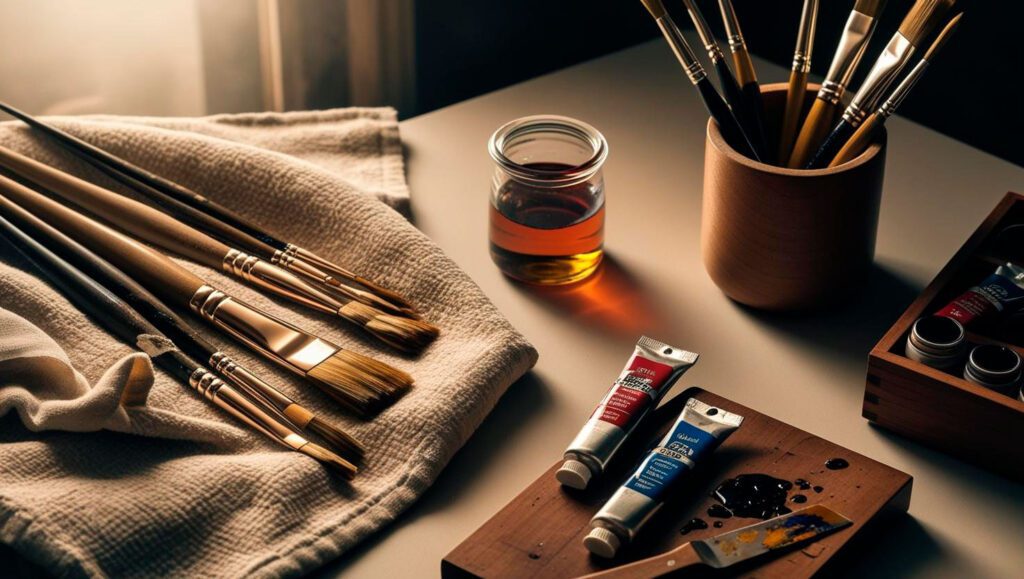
x: 805, y: 370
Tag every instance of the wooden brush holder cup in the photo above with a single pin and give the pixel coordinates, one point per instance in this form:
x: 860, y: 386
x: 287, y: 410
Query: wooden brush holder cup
x: 788, y: 239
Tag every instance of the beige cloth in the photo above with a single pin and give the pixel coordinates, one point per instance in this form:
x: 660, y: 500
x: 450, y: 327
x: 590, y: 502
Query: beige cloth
x: 178, y: 488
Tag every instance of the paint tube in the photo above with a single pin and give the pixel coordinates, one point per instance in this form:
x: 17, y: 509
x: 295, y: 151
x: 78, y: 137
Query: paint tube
x: 1003, y: 291
x: 652, y: 369
x: 695, y: 435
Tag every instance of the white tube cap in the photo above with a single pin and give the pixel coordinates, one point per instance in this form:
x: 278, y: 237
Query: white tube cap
x: 602, y: 542
x: 574, y: 474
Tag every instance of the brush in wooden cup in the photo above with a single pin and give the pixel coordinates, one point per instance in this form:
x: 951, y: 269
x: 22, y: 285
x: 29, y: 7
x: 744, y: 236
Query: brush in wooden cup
x: 852, y: 45
x: 164, y: 231
x: 222, y: 223
x: 120, y: 319
x: 793, y: 112
x: 865, y: 133
x: 182, y: 334
x: 924, y: 17
x: 719, y: 111
x: 731, y: 91
x: 745, y: 75
x: 362, y: 384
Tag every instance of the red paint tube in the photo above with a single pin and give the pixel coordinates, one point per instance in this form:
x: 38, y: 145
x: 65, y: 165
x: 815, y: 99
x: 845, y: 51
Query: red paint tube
x: 1003, y: 291
x: 650, y: 372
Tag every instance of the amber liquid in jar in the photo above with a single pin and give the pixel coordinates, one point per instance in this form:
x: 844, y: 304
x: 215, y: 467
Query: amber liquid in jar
x: 547, y: 237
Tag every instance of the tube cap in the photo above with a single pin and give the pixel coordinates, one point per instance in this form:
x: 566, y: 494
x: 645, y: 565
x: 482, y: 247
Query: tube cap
x: 602, y: 542
x: 574, y: 474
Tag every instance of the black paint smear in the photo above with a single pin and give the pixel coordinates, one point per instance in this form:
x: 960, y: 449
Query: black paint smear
x: 693, y: 525
x: 836, y: 463
x: 719, y: 511
x: 754, y: 495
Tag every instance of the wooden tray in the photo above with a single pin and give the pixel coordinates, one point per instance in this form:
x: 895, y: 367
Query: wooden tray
x: 941, y: 409
x: 540, y: 533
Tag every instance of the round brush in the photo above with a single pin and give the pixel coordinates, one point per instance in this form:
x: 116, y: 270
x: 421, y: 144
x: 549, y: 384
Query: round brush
x: 360, y: 383
x: 120, y: 319
x: 796, y: 93
x: 164, y: 231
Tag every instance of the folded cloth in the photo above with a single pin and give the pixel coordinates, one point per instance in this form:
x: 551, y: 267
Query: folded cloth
x: 115, y: 469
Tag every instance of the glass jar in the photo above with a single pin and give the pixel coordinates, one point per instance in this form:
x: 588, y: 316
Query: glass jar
x: 547, y: 199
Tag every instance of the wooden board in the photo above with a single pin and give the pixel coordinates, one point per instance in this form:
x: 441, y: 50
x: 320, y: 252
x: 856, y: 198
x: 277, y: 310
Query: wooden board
x: 540, y: 533
x: 939, y: 408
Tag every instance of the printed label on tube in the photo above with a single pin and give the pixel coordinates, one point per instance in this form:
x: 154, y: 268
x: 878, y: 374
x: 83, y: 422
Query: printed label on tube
x: 999, y: 292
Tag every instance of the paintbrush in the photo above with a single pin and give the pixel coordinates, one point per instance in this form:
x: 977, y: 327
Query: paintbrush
x: 796, y: 92
x: 180, y: 332
x: 803, y: 526
x: 164, y: 231
x: 719, y: 111
x: 746, y: 76
x: 219, y: 221
x: 360, y: 383
x: 120, y: 319
x: 865, y: 133
x: 919, y: 23
x: 852, y: 45
x: 731, y: 91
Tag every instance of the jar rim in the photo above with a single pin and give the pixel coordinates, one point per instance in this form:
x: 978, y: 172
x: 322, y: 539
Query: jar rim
x: 580, y: 130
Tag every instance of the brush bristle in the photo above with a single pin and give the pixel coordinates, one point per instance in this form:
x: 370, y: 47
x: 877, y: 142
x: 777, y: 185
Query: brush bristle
x: 364, y: 384
x: 328, y: 458
x: 869, y: 7
x: 406, y: 334
x: 340, y: 441
x: 385, y: 293
x: 943, y: 37
x: 655, y: 7
x: 923, y: 18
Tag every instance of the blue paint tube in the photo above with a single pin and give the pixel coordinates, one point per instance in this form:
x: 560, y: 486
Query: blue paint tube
x: 695, y: 435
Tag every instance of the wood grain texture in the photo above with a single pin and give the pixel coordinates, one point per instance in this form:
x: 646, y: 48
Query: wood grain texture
x: 940, y: 409
x: 788, y: 239
x: 792, y: 114
x: 539, y: 534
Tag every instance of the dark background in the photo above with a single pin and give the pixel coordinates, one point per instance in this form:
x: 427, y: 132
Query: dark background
x: 973, y: 92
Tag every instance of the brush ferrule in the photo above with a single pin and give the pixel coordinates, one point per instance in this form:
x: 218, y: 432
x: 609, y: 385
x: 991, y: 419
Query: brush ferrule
x: 805, y: 37
x: 247, y: 381
x: 733, y: 34
x: 278, y: 281
x: 289, y: 261
x: 205, y: 383
x: 707, y: 37
x: 280, y: 341
x: 303, y: 255
x: 889, y: 64
x: 694, y: 71
x: 852, y: 45
x: 900, y: 92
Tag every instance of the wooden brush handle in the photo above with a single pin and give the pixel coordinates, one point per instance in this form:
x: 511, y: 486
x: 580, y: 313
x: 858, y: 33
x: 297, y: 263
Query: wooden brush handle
x: 791, y: 117
x: 151, y: 269
x: 734, y: 97
x: 727, y: 124
x: 814, y: 131
x: 831, y: 146
x: 678, y: 559
x: 860, y: 140
x: 129, y: 215
x: 745, y: 73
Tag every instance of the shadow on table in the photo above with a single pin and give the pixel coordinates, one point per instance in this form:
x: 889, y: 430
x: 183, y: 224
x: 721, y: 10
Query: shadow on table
x: 903, y: 545
x: 497, y: 430
x: 846, y: 331
x: 612, y: 299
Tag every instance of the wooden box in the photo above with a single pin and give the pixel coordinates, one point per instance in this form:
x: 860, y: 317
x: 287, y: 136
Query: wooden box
x: 942, y: 409
x: 540, y: 532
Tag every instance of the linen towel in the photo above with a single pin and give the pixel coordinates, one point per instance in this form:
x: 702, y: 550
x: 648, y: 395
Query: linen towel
x: 171, y: 486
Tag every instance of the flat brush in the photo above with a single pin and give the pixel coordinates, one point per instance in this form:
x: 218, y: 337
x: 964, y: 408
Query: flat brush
x: 220, y: 222
x: 865, y: 133
x: 719, y: 111
x: 360, y: 383
x: 919, y: 23
x: 120, y: 319
x: 732, y: 93
x: 746, y: 76
x: 180, y: 332
x: 852, y: 45
x: 796, y: 92
x: 164, y: 231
